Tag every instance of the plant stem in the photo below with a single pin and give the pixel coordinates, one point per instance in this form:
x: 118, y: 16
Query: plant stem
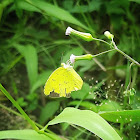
x: 94, y: 59
x: 118, y: 50
x: 121, y: 127
x: 44, y: 128
x: 89, y: 56
x: 10, y: 110
x: 128, y: 87
x: 101, y: 41
x: 103, y: 52
x: 18, y: 114
x: 4, y: 91
x: 127, y: 56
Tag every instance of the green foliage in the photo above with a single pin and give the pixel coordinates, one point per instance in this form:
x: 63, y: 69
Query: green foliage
x: 41, y: 79
x: 85, y: 104
x: 89, y: 120
x: 48, y: 111
x: 83, y: 93
x: 30, y: 55
x: 108, y: 105
x: 48, y: 9
x: 122, y: 116
x: 26, y: 135
x: 1, y: 10
x: 33, y: 44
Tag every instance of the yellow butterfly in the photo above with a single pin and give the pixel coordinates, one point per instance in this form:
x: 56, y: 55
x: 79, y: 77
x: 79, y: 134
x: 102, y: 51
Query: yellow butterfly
x: 63, y: 81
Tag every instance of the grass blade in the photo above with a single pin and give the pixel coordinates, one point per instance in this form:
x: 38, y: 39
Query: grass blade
x: 26, y: 135
x: 30, y: 55
x: 51, y: 10
x: 4, y: 91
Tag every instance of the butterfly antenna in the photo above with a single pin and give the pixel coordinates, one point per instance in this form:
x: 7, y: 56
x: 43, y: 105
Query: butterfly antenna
x: 68, y: 62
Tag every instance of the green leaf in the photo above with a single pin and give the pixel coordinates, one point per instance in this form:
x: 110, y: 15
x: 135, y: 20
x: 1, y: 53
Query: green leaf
x: 48, y: 111
x: 93, y: 5
x: 137, y: 1
x: 85, y: 65
x: 6, y: 93
x: 109, y: 106
x: 24, y: 5
x: 30, y: 55
x: 122, y: 116
x: 51, y: 10
x: 80, y: 9
x: 75, y: 51
x: 85, y: 104
x: 42, y: 78
x: 83, y: 93
x: 87, y: 92
x: 3, y: 5
x: 89, y: 120
x: 10, y: 65
x: 1, y: 11
x: 22, y: 102
x: 26, y: 135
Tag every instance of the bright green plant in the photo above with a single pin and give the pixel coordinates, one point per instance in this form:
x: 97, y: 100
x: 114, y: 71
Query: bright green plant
x: 89, y: 120
x: 32, y: 46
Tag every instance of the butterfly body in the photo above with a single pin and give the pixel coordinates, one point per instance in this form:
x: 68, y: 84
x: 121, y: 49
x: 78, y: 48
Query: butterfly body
x: 63, y: 81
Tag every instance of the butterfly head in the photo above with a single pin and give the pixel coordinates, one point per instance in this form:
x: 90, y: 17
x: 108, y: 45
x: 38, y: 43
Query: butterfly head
x: 65, y: 65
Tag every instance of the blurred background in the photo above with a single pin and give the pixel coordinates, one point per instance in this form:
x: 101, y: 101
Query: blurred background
x: 33, y: 44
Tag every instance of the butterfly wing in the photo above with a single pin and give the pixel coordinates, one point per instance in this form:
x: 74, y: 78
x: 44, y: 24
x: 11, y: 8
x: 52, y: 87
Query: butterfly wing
x: 62, y: 81
x: 73, y: 82
x: 52, y: 84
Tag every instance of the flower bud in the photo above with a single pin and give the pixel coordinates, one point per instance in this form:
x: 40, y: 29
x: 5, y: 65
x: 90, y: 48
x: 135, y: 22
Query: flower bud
x: 108, y: 35
x: 84, y: 36
x: 74, y: 58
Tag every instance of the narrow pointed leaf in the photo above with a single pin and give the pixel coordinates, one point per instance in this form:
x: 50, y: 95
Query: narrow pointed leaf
x: 26, y: 135
x: 125, y: 116
x: 88, y: 120
x: 31, y: 58
x: 51, y: 10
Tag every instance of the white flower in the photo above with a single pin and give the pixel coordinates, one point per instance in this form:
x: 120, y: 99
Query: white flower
x: 68, y: 31
x: 72, y: 58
